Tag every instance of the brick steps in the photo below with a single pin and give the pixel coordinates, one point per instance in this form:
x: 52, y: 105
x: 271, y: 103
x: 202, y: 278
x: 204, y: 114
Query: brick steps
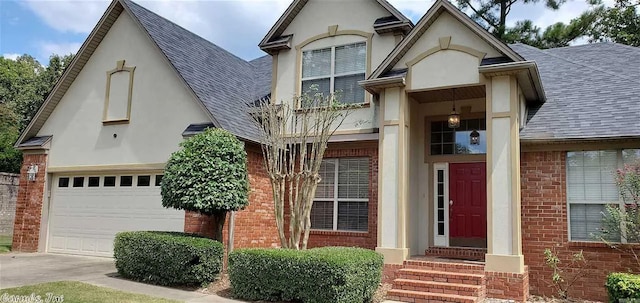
x: 439, y: 287
x: 429, y: 281
x: 425, y: 297
x: 441, y: 276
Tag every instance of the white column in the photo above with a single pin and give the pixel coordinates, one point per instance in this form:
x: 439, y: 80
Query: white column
x: 392, y: 232
x: 504, y: 238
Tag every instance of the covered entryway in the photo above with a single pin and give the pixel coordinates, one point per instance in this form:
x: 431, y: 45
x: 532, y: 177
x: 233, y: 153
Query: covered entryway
x: 86, y: 211
x: 468, y: 205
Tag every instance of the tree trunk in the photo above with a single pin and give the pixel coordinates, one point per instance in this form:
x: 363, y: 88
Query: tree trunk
x: 218, y: 225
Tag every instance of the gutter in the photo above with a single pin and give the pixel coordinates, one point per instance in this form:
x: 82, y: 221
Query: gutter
x: 374, y: 85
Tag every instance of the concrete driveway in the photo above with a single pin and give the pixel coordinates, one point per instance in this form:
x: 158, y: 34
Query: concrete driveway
x: 26, y: 269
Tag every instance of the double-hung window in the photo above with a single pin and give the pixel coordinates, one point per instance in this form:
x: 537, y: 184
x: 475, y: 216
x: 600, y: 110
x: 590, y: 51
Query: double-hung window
x: 336, y: 70
x: 591, y: 186
x: 342, y: 197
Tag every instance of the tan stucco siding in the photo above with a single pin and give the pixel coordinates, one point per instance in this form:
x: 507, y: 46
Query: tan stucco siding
x: 310, y: 30
x: 161, y: 108
x: 447, y: 26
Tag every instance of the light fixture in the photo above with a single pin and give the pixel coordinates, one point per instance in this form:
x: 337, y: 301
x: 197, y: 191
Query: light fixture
x: 454, y: 117
x: 31, y: 172
x: 474, y: 138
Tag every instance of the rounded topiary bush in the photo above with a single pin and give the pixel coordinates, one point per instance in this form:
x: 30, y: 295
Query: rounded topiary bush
x: 167, y: 258
x: 208, y: 175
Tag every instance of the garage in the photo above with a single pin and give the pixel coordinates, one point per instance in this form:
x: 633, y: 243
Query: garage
x: 86, y: 211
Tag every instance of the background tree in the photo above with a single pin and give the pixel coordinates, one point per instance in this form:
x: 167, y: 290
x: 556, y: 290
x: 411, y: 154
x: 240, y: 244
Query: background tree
x: 10, y: 158
x: 492, y: 15
x: 207, y: 175
x: 620, y: 23
x: 24, y: 85
x: 295, y: 137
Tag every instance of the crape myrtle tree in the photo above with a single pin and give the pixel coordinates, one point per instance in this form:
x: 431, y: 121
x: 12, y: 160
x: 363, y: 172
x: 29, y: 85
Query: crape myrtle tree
x: 294, y: 140
x: 621, y: 223
x: 207, y: 175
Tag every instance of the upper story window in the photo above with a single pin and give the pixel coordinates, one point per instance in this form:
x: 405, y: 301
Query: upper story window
x: 449, y: 141
x: 337, y: 70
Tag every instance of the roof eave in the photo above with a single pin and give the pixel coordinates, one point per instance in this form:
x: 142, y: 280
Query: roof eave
x: 528, y: 77
x: 392, y: 27
x: 71, y: 72
x: 375, y: 86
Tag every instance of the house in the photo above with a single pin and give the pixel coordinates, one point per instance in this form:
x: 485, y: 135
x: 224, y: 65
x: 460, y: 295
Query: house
x: 525, y: 163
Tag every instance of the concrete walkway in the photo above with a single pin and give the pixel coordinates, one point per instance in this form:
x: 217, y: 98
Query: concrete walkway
x: 27, y: 269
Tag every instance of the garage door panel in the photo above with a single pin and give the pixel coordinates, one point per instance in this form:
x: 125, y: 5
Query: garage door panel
x: 84, y: 220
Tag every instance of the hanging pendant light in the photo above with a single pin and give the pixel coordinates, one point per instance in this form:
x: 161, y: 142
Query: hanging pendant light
x: 454, y: 116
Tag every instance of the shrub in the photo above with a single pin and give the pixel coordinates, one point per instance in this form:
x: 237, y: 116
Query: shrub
x: 207, y: 175
x: 623, y: 286
x: 328, y: 274
x: 167, y: 258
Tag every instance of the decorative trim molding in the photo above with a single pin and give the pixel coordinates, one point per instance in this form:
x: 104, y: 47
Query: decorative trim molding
x: 120, y: 67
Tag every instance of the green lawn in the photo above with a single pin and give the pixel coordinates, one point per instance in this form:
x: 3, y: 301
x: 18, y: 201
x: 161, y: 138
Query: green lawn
x: 77, y: 292
x: 5, y: 244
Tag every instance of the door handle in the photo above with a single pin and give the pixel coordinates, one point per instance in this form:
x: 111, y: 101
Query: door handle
x: 450, y: 202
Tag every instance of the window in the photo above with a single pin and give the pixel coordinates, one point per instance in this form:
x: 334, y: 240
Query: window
x: 94, y: 181
x: 78, y: 181
x: 449, y: 141
x: 126, y: 181
x: 144, y: 180
x: 342, y: 197
x: 109, y: 181
x: 591, y: 186
x: 336, y: 69
x: 63, y: 182
x: 158, y: 180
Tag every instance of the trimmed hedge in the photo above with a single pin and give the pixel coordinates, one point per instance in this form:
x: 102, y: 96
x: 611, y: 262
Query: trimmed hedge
x: 167, y: 258
x: 328, y: 274
x: 622, y: 286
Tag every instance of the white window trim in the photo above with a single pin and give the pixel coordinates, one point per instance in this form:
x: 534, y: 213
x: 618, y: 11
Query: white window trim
x: 619, y: 165
x: 441, y: 240
x: 332, y: 76
x: 337, y: 200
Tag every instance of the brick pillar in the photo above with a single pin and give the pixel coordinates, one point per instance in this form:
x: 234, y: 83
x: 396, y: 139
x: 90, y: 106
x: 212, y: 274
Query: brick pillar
x: 31, y: 195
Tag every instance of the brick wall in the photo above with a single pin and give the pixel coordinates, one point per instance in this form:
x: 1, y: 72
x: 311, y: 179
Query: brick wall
x: 510, y: 286
x: 8, y: 196
x: 544, y: 225
x: 255, y: 226
x: 26, y: 230
x: 359, y: 239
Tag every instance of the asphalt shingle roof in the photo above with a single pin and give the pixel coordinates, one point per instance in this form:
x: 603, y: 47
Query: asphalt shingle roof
x: 224, y: 83
x: 593, y: 91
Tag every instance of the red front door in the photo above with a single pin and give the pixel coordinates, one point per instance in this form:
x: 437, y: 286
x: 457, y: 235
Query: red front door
x: 468, y: 205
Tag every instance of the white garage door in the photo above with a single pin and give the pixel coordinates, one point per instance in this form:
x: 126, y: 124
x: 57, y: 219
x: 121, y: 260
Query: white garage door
x: 87, y: 211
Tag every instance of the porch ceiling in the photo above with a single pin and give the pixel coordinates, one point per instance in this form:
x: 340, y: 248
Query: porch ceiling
x: 446, y: 94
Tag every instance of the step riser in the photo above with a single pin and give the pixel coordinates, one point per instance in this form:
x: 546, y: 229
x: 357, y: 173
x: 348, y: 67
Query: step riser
x: 470, y: 293
x: 453, y: 267
x: 403, y: 297
x: 449, y: 278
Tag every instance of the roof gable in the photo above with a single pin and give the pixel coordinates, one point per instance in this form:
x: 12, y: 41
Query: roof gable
x: 222, y: 82
x: 423, y: 25
x: 296, y: 6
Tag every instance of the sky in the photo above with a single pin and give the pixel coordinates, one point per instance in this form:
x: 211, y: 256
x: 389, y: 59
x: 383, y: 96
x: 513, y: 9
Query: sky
x: 44, y: 27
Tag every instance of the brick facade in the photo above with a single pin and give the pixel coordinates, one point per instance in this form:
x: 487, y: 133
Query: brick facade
x: 544, y: 225
x: 360, y: 239
x: 255, y: 226
x: 507, y: 285
x: 26, y: 229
